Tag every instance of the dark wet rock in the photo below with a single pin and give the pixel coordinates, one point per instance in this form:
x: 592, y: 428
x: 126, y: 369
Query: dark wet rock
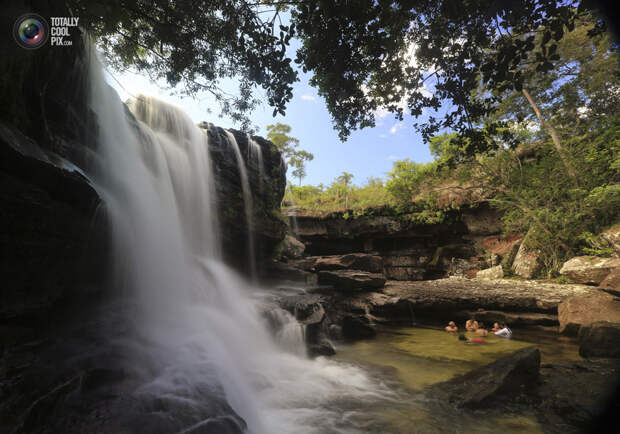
x: 589, y: 269
x: 52, y: 230
x: 352, y: 261
x: 278, y: 271
x: 600, y: 339
x: 267, y: 193
x: 578, y: 311
x: 352, y: 280
x: 322, y: 348
x: 307, y: 309
x: 357, y: 327
x: 577, y: 397
x: 499, y: 381
x: 292, y: 248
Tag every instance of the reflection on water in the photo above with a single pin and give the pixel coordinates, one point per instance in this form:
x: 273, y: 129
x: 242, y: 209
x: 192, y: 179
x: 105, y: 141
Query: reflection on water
x: 415, y: 358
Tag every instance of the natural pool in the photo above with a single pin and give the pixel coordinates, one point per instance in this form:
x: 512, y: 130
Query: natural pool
x: 412, y: 358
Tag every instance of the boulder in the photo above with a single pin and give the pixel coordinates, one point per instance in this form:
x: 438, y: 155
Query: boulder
x: 355, y: 261
x: 527, y: 262
x: 491, y: 273
x: 351, y: 280
x: 611, y: 283
x: 292, y: 247
x: 578, y: 311
x: 589, y: 269
x: 579, y: 394
x: 322, y: 348
x: 307, y: 309
x: 612, y: 236
x: 600, y: 339
x: 501, y: 380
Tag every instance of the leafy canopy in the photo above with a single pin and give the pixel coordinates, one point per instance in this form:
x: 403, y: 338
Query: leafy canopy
x: 409, y: 56
x: 197, y: 44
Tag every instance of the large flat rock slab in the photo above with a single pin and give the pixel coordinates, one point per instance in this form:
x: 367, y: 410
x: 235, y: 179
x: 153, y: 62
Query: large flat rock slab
x: 501, y: 294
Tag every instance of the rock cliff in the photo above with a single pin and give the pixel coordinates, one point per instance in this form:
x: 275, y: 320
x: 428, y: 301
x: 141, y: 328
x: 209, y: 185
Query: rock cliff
x: 53, y: 225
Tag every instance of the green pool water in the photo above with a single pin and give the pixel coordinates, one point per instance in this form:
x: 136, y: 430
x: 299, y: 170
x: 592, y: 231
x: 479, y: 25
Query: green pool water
x: 413, y: 358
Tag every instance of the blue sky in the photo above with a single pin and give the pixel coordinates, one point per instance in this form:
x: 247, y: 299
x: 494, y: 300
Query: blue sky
x: 367, y: 153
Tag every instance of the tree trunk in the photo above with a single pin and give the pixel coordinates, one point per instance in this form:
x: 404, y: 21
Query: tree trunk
x: 552, y: 132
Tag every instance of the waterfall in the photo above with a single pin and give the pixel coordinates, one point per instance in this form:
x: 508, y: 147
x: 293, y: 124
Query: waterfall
x: 200, y: 349
x: 292, y: 213
x: 256, y: 154
x: 247, y: 203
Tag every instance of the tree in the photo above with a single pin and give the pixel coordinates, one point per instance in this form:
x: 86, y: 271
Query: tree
x: 197, y: 44
x: 341, y: 185
x: 408, y: 56
x: 297, y: 158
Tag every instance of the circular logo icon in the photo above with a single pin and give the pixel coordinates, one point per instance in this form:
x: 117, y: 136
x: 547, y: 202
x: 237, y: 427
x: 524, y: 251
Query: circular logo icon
x: 31, y: 31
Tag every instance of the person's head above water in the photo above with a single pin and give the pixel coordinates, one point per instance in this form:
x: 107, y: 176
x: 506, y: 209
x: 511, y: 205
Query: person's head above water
x: 451, y: 324
x: 462, y: 337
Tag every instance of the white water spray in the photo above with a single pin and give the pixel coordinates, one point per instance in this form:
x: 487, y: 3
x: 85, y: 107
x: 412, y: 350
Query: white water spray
x: 199, y: 334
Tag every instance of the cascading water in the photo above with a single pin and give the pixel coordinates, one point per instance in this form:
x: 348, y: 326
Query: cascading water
x: 247, y: 202
x: 292, y: 213
x: 256, y: 154
x: 201, y: 346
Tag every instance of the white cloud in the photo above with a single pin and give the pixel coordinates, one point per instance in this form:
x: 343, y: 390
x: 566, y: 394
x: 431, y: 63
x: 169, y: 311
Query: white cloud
x: 393, y: 158
x: 383, y: 136
x: 397, y: 126
x: 308, y: 97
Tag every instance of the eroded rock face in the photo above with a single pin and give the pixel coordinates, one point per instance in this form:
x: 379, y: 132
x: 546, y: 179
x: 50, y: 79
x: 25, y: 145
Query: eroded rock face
x: 600, y: 339
x: 467, y: 242
x: 267, y: 192
x: 589, y: 269
x: 352, y: 280
x: 496, y: 272
x: 496, y: 382
x: 578, y: 311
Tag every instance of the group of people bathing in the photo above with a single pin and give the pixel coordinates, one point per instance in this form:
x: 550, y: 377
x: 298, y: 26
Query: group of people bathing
x: 499, y: 329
